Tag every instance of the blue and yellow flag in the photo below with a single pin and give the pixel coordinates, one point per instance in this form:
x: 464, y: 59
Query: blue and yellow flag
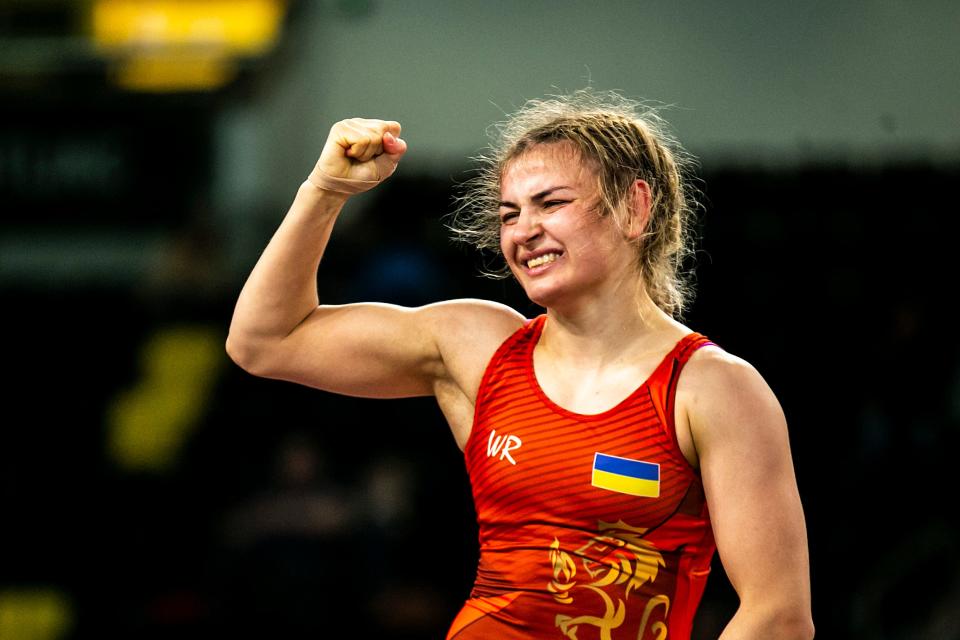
x: 633, y: 477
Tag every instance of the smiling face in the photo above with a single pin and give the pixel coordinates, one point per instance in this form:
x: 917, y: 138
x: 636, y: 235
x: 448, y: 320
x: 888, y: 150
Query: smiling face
x: 552, y: 234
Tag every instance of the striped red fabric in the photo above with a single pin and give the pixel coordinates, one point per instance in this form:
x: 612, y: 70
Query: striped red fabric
x: 560, y: 557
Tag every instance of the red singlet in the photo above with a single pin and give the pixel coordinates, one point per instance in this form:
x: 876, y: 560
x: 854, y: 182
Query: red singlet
x: 591, y: 526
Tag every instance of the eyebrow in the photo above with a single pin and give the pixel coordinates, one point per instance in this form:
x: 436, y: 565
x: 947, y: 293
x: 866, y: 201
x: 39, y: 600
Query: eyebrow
x: 537, y: 197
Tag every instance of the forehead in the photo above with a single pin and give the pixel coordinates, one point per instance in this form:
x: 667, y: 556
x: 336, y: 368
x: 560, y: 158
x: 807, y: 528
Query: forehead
x: 545, y: 166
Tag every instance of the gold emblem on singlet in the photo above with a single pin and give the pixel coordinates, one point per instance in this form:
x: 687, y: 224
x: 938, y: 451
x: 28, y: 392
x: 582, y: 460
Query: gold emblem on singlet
x: 628, y: 562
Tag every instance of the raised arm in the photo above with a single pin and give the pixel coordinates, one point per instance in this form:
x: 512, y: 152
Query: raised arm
x: 740, y: 435
x: 279, y: 329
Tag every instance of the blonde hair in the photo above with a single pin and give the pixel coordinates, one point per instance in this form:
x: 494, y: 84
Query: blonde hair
x: 623, y: 141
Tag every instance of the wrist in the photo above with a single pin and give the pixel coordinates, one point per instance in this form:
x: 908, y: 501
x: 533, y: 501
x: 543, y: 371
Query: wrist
x: 349, y: 186
x: 314, y: 191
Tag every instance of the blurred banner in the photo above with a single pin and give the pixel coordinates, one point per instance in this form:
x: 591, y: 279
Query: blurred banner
x: 175, y: 45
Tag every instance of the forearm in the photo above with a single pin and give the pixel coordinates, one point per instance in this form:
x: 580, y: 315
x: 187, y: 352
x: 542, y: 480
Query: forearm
x: 282, y: 288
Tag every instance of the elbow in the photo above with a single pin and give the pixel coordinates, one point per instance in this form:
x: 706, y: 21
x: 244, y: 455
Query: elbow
x: 248, y: 355
x: 793, y: 625
x: 799, y: 628
x: 784, y: 622
x: 239, y: 351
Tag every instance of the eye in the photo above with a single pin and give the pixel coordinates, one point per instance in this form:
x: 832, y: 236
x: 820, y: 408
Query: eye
x: 550, y: 204
x: 508, y: 217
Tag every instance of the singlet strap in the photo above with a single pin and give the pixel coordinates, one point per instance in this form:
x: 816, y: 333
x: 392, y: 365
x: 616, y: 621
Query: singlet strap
x: 510, y: 357
x: 663, y: 383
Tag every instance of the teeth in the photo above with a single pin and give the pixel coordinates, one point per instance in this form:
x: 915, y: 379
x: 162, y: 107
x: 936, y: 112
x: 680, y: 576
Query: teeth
x: 544, y: 259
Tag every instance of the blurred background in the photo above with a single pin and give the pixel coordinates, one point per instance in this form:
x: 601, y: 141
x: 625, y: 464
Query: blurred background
x: 148, y: 149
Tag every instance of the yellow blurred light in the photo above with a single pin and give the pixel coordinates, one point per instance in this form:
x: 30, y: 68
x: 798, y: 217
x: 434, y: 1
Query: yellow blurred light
x: 246, y: 27
x: 166, y: 72
x: 35, y: 614
x: 149, y: 424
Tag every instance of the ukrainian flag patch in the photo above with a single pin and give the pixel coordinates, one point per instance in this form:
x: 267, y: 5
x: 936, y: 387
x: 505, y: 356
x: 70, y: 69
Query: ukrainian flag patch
x: 633, y: 477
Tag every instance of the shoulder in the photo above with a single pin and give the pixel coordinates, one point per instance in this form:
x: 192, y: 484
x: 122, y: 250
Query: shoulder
x: 724, y: 396
x: 712, y: 371
x: 472, y: 311
x: 467, y: 333
x: 468, y: 321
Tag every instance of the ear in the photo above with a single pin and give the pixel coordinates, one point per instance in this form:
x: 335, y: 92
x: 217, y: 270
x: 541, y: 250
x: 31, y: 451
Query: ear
x: 639, y: 200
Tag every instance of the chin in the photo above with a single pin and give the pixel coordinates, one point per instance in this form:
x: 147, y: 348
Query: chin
x: 542, y: 296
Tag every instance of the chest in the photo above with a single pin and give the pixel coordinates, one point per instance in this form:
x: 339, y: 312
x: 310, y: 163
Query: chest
x: 589, y: 392
x: 531, y: 461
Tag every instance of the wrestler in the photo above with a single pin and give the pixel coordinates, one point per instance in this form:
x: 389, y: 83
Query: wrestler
x: 611, y: 449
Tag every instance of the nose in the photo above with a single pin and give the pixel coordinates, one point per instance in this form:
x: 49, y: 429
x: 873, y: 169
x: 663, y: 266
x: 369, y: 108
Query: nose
x: 527, y: 228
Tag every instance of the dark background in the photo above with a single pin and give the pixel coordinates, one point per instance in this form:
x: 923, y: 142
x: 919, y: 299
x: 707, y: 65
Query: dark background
x: 297, y: 513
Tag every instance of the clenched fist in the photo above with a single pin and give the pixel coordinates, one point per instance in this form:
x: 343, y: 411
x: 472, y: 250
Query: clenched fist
x: 359, y: 154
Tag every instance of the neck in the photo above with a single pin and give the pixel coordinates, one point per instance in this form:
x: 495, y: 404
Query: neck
x: 606, y: 329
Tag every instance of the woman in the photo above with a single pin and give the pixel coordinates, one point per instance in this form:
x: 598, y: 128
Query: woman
x: 600, y: 502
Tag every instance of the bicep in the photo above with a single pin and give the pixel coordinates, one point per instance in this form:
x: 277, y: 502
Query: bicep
x: 741, y: 438
x: 386, y: 351
x: 366, y: 349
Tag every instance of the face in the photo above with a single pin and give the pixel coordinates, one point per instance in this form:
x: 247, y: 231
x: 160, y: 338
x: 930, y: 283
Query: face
x: 552, y: 235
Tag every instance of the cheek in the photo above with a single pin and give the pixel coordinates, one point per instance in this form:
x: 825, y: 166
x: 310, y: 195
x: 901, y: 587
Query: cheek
x: 589, y: 233
x: 504, y: 244
x: 506, y: 251
x: 598, y: 241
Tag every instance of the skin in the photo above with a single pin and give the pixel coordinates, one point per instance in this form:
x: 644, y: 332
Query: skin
x: 601, y: 324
